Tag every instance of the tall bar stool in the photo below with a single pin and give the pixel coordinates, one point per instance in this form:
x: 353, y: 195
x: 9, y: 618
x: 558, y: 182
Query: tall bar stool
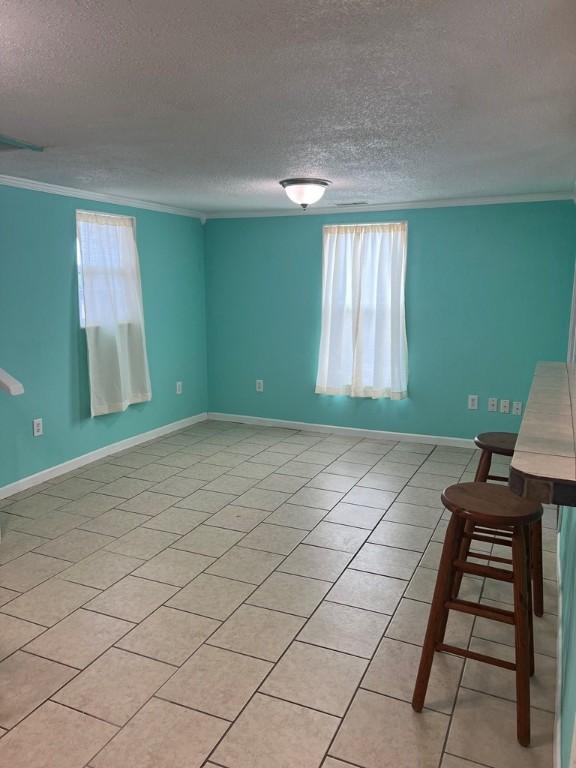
x: 489, y: 508
x: 503, y: 444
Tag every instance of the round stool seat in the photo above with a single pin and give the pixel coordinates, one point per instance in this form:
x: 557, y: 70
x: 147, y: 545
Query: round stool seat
x: 490, y: 505
x: 502, y: 443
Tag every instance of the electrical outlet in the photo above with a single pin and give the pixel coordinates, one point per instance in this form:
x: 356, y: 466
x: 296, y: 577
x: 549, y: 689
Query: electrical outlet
x: 178, y: 387
x: 472, y: 402
x: 492, y: 403
x: 504, y: 406
x: 517, y: 408
x: 259, y: 385
x: 37, y: 427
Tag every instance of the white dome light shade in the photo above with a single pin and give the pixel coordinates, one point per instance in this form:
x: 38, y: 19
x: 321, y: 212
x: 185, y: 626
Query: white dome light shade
x: 304, y: 192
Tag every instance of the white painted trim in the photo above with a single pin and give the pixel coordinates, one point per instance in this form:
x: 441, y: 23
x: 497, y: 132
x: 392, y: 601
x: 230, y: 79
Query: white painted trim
x: 55, y: 189
x: 457, y: 442
x: 107, y: 450
x: 406, y: 206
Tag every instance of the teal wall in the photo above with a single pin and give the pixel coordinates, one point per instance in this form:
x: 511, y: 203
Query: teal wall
x: 567, y: 553
x: 488, y: 294
x: 42, y: 345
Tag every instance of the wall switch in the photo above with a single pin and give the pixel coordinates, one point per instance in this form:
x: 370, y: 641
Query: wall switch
x: 517, y: 408
x: 259, y: 385
x: 504, y: 406
x: 178, y: 387
x: 37, y: 427
x: 472, y: 402
x: 492, y: 403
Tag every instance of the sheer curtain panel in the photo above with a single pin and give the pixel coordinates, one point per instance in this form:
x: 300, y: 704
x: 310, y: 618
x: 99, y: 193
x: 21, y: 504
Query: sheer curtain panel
x: 111, y: 311
x: 363, y: 348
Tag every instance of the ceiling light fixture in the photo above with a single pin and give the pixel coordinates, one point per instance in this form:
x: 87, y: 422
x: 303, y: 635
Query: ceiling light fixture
x: 304, y: 192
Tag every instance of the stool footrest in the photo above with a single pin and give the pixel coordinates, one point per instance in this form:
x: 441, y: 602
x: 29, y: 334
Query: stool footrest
x: 491, y: 539
x: 499, y: 574
x: 497, y: 477
x: 484, y: 611
x: 476, y: 656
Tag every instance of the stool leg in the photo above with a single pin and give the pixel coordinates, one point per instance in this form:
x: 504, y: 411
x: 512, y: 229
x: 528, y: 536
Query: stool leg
x: 522, y: 632
x: 528, y: 547
x: 462, y: 555
x: 483, y: 467
x: 537, y: 576
x: 438, y: 611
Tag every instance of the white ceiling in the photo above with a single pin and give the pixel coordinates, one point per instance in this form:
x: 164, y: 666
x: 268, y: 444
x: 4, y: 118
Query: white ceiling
x: 207, y: 104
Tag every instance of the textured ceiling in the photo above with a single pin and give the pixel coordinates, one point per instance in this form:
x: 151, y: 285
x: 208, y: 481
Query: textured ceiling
x: 205, y: 104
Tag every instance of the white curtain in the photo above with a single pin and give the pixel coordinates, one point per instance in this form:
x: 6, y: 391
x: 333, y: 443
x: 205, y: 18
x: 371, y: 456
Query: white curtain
x: 363, y: 348
x: 111, y: 311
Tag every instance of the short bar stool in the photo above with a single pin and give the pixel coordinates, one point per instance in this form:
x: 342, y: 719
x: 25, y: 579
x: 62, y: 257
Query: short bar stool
x: 503, y: 444
x: 489, y: 508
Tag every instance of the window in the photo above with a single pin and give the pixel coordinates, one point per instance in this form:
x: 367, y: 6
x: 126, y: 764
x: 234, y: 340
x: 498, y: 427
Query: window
x: 363, y: 348
x: 111, y: 311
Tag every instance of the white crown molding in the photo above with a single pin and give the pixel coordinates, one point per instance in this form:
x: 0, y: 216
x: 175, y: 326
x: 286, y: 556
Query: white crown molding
x: 457, y: 442
x: 407, y: 206
x: 54, y: 189
x: 69, y: 466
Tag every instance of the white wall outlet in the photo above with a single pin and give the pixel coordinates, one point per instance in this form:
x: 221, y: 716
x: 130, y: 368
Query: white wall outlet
x: 259, y: 385
x: 37, y: 427
x: 178, y: 387
x: 492, y: 403
x: 504, y: 406
x: 472, y: 402
x: 517, y: 408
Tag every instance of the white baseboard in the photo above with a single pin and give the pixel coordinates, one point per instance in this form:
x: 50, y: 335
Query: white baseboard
x: 457, y: 442
x: 107, y: 450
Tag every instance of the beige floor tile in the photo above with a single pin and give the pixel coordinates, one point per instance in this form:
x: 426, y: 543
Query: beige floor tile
x: 115, y: 522
x: 449, y: 761
x: 444, y: 468
x: 502, y: 592
x: 346, y: 629
x: 257, y: 632
x: 386, y: 561
x: 420, y: 496
x: 148, y: 503
x: 300, y: 469
x: 79, y: 638
x: 115, y: 686
x: 370, y: 497
x: 102, y: 472
x: 501, y: 682
x: 49, y: 526
x: 291, y: 594
x: 163, y: 735
x: 6, y: 595
x: 14, y: 633
x: 207, y: 501
x: 403, y: 536
x: 54, y: 736
x: 413, y: 514
x: 125, y: 487
x: 431, y: 482
x: 394, y: 468
x: 393, y: 669
x: 406, y: 457
x: 207, y: 540
x: 238, y: 518
x: 169, y: 635
x: 36, y: 505
x: 493, y: 723
x: 200, y: 471
x: 154, y: 472
x: 327, y: 481
x: 316, y: 677
x: 284, y: 483
x: 30, y: 680
x: 231, y: 484
x: 276, y: 734
x: 216, y: 681
x: 132, y: 599
x: 249, y: 565
x: 316, y: 562
x: 74, y: 545
x: 258, y: 498
x: 411, y: 618
x: 253, y: 470
x: 211, y: 596
x: 367, y: 590
x: 174, y: 566
x: 101, y: 570
x: 176, y: 520
x: 348, y: 469
x: 273, y: 538
x: 432, y: 555
x: 354, y: 515
x: 225, y: 459
x: 50, y: 602
x: 15, y: 544
x: 379, y: 732
x: 294, y: 516
x: 73, y: 488
x: 142, y: 543
x: 545, y: 631
x: 132, y: 459
x: 421, y: 586
x: 317, y: 498
x: 341, y: 537
x: 382, y: 482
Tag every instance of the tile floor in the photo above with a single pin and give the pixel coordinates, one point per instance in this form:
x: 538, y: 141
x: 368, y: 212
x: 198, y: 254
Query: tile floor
x: 251, y: 597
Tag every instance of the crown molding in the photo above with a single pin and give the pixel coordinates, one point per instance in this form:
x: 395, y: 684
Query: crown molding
x: 55, y: 189
x: 406, y: 206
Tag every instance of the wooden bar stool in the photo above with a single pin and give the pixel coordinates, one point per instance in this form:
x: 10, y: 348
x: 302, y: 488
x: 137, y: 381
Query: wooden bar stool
x: 490, y: 508
x: 503, y: 444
